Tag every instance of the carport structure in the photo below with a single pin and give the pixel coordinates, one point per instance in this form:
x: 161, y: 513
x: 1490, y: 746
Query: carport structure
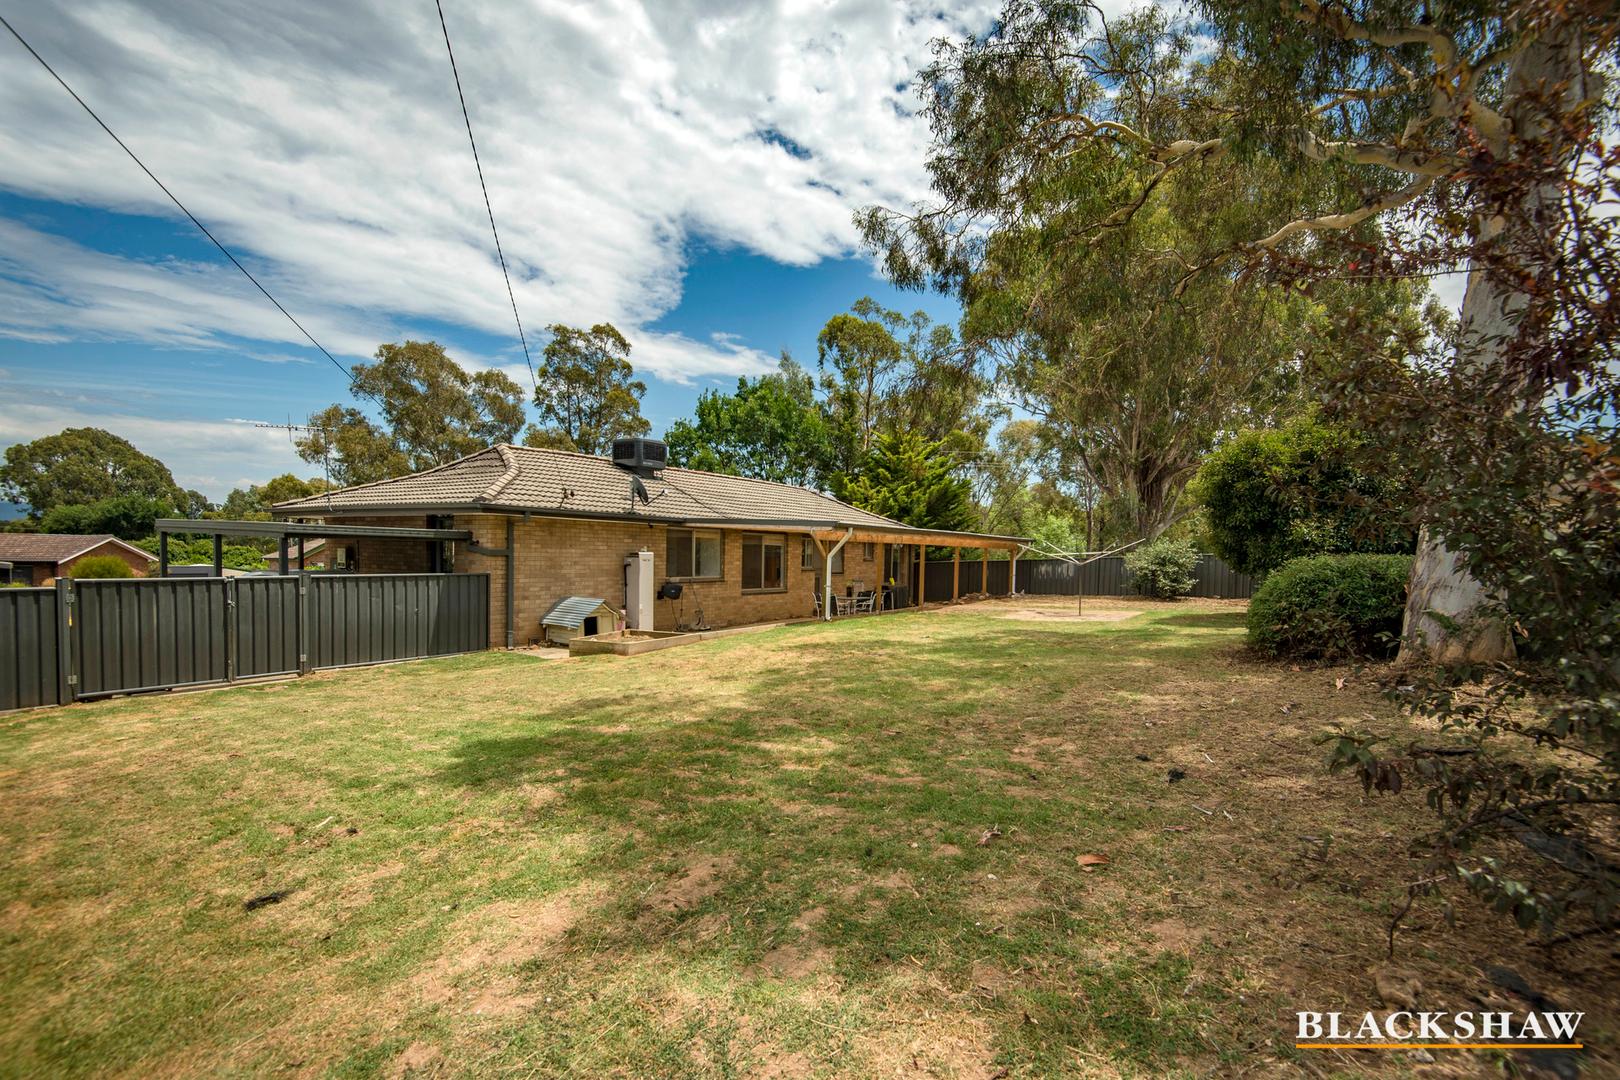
x: 281, y: 532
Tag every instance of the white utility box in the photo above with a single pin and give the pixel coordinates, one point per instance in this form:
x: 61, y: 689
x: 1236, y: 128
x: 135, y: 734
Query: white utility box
x: 639, y: 590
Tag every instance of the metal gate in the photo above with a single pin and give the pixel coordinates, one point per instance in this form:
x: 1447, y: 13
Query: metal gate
x: 90, y: 638
x: 31, y: 645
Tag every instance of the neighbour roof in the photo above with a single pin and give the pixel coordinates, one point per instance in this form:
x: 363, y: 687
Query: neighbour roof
x: 57, y: 547
x: 563, y: 484
x: 308, y: 548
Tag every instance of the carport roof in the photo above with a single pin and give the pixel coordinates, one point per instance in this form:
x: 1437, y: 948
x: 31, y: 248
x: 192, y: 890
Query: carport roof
x: 557, y: 483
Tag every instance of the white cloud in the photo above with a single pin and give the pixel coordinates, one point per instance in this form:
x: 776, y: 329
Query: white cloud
x: 324, y: 143
x: 212, y: 457
x: 678, y: 358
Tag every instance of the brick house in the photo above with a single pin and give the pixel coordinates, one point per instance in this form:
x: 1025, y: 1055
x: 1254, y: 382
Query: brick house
x: 36, y: 558
x: 741, y: 550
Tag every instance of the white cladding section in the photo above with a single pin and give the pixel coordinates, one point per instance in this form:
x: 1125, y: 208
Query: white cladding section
x: 638, y: 591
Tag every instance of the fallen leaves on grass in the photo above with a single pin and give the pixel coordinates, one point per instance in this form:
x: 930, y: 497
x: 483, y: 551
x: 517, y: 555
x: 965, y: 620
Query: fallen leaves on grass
x: 992, y: 833
x: 1088, y: 863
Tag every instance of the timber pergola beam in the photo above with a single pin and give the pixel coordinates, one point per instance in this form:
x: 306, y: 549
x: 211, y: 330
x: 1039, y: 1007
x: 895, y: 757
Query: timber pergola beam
x: 281, y: 532
x: 928, y: 539
x: 922, y: 540
x: 210, y: 527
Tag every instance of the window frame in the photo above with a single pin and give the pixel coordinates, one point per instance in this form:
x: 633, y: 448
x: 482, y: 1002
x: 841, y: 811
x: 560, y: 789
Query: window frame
x: 692, y: 542
x: 810, y: 558
x: 763, y: 540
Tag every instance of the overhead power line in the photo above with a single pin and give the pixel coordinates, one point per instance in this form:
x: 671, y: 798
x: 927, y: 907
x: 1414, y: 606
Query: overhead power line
x: 132, y: 156
x: 490, y: 210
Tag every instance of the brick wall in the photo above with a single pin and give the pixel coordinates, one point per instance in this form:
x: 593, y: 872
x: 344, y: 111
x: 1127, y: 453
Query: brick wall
x: 558, y: 558
x: 377, y: 555
x: 138, y: 564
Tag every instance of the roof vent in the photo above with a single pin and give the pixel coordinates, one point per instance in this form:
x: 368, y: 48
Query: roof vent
x: 644, y: 457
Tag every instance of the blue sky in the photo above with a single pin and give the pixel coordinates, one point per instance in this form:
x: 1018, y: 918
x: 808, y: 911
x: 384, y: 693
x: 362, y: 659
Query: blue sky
x: 762, y: 304
x: 684, y: 170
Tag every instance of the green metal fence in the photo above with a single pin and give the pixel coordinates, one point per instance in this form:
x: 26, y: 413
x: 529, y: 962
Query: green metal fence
x: 91, y: 638
x: 1059, y: 577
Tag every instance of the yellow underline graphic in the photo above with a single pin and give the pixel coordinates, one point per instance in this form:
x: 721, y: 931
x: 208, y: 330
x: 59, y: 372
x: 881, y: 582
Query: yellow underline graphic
x: 1348, y: 1045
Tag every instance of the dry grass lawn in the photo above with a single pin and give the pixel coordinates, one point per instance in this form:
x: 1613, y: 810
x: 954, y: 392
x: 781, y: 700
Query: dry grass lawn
x: 844, y: 850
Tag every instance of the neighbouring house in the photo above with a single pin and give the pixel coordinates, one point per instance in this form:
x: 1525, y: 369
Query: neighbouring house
x: 313, y: 555
x: 548, y: 524
x: 35, y: 558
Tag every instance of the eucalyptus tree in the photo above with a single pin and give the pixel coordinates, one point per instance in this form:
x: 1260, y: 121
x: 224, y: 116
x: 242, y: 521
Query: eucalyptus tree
x: 588, y: 394
x: 1408, y: 138
x: 1389, y: 106
x: 1071, y: 259
x: 771, y: 428
x: 79, y: 466
x: 432, y: 411
x: 883, y: 371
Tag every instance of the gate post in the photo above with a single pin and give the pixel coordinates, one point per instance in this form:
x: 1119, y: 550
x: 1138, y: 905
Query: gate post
x: 229, y: 589
x: 302, y: 616
x: 67, y: 682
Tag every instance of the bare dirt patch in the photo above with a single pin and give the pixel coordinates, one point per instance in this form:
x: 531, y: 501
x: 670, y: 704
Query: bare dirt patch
x: 486, y: 941
x: 1045, y: 609
x: 796, y: 961
x: 1176, y: 936
x: 417, y: 1059
x: 809, y: 918
x: 783, y: 1067
x: 952, y: 1045
x: 699, y: 881
x: 1040, y: 615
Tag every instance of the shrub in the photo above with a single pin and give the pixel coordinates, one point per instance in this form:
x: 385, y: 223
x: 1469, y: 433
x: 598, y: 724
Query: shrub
x: 1303, y: 489
x: 127, y: 517
x: 1162, y: 569
x: 183, y: 552
x: 100, y: 566
x: 1330, y: 607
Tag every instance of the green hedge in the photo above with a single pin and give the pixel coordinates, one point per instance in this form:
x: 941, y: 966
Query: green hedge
x: 1162, y: 569
x: 100, y: 566
x: 1330, y: 607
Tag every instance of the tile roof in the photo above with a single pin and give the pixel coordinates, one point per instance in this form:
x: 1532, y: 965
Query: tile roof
x: 563, y: 484
x: 295, y: 550
x: 54, y: 547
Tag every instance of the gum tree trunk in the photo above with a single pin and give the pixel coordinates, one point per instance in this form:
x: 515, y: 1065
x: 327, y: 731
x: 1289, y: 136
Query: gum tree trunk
x: 1442, y: 621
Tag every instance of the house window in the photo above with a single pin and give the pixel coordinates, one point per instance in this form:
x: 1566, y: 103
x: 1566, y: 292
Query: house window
x: 810, y: 558
x: 694, y: 553
x: 868, y: 552
x: 763, y: 556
